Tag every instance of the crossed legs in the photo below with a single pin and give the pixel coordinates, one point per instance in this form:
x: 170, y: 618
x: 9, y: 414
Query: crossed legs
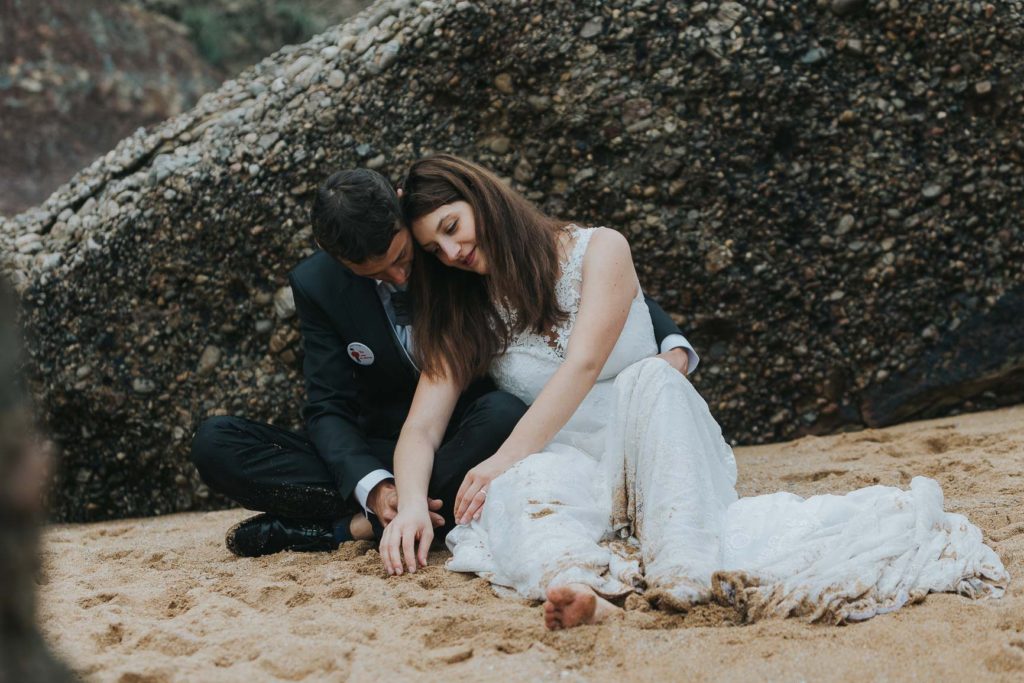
x: 270, y: 469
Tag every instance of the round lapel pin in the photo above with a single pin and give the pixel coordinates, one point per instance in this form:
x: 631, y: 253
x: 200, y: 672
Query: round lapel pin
x: 360, y: 353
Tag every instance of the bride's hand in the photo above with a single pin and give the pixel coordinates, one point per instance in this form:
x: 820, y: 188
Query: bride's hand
x: 472, y: 495
x: 400, y: 537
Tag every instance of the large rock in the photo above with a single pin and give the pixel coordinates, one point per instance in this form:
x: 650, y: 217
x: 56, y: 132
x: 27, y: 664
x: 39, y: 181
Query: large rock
x: 75, y: 78
x: 823, y: 199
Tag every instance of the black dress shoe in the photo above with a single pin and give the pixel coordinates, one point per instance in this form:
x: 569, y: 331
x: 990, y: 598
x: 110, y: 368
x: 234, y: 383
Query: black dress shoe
x: 266, y: 534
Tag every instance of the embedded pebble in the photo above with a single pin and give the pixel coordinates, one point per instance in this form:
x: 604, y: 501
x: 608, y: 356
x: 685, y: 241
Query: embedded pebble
x: 208, y: 360
x: 284, y: 303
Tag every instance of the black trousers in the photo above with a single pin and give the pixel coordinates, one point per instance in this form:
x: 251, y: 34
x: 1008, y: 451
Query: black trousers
x: 271, y: 469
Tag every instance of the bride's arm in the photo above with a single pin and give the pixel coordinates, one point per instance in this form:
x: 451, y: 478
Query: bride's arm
x: 432, y: 407
x: 609, y: 286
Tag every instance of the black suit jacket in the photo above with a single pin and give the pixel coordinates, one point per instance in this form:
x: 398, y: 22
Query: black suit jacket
x: 348, y: 402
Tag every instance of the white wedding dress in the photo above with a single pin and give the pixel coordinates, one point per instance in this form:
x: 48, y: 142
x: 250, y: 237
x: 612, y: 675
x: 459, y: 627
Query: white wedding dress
x: 636, y: 493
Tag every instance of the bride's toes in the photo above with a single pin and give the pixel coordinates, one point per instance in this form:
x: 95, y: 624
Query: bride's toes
x: 569, y: 606
x: 552, y: 616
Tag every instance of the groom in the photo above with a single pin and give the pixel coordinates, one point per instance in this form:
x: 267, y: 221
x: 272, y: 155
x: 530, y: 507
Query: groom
x: 353, y: 310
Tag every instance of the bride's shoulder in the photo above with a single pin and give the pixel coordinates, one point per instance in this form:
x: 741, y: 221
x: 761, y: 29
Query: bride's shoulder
x: 596, y: 248
x: 577, y: 237
x: 605, y: 242
x: 605, y: 251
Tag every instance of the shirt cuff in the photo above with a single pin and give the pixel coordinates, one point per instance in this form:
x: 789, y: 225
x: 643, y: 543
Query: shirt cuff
x: 678, y: 341
x: 366, y: 485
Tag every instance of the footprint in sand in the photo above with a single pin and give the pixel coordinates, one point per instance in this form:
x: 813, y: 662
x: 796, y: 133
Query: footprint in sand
x: 170, y: 644
x: 453, y: 631
x: 1007, y: 532
x: 275, y: 595
x: 448, y: 655
x: 109, y: 532
x: 812, y: 476
x: 111, y: 636
x: 951, y: 471
x: 271, y: 594
x: 430, y: 578
x: 871, y: 436
x: 175, y: 600
x: 1009, y: 658
x: 113, y: 555
x: 937, y: 444
x: 369, y: 564
x: 309, y: 664
x: 1011, y: 620
x: 896, y: 451
x: 342, y: 592
x: 300, y: 598
x: 288, y: 575
x: 143, y: 677
x: 162, y: 561
x: 97, y: 599
x: 942, y: 443
x: 60, y: 538
x: 409, y: 598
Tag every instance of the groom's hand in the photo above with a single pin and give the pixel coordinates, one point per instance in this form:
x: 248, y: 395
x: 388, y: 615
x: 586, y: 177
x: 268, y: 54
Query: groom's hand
x: 433, y: 505
x: 383, y: 502
x: 677, y: 358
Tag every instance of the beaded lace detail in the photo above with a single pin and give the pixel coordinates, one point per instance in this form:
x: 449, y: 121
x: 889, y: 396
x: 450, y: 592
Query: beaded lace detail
x: 567, y: 293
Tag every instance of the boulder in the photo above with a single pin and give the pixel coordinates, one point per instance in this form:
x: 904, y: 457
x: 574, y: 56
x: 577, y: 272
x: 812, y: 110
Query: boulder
x: 825, y: 201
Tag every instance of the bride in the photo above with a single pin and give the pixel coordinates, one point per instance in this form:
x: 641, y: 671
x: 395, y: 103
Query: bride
x: 617, y: 479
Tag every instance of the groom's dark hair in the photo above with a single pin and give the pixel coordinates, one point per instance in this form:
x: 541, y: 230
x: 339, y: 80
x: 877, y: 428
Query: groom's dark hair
x: 355, y: 215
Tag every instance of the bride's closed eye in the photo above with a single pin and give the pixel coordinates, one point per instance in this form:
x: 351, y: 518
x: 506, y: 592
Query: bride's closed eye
x: 450, y: 229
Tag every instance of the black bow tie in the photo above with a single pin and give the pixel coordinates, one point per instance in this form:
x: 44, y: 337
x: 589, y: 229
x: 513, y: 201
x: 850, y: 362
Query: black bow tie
x: 400, y: 302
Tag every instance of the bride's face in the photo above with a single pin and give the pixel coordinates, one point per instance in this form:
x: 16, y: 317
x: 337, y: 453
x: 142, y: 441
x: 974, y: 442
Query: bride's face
x: 449, y: 233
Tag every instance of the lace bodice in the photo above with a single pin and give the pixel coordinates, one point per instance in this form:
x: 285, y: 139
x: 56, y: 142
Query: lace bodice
x: 532, y: 358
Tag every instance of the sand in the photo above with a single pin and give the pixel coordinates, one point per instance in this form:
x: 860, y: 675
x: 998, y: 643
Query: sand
x: 152, y: 600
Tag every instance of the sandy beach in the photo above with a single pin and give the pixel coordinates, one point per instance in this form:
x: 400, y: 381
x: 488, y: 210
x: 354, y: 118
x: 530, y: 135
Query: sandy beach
x: 161, y: 599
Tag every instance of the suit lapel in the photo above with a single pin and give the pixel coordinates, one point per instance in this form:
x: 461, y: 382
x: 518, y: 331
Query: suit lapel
x: 370, y: 320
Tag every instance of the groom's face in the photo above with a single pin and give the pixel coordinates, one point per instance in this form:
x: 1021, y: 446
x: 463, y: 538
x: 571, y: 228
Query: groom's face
x: 394, y: 266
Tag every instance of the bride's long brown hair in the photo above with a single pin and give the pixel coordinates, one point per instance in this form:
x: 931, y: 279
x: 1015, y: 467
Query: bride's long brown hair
x: 458, y: 328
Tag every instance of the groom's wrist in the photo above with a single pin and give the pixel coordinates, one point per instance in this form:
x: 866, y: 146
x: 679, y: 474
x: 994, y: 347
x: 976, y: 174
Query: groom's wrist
x: 678, y: 358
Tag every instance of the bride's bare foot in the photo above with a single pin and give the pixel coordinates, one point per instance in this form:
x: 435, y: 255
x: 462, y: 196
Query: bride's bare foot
x: 575, y: 604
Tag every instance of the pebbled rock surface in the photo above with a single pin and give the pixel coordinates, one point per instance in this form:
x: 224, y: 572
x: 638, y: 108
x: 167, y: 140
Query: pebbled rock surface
x: 826, y: 194
x: 77, y: 77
